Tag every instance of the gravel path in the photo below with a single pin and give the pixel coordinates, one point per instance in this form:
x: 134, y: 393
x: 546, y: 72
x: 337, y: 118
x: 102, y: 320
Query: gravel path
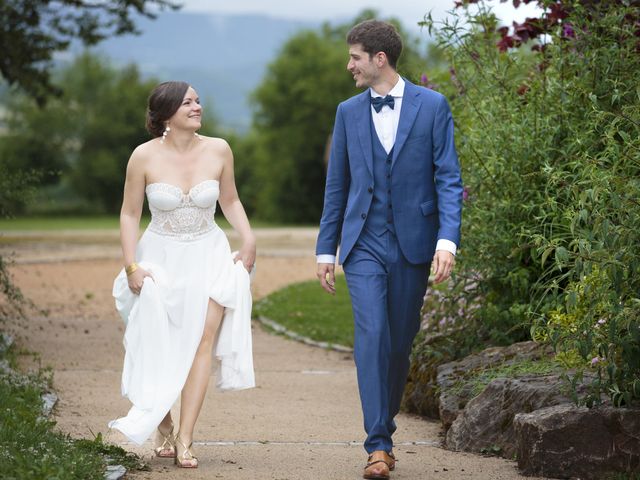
x: 302, y: 421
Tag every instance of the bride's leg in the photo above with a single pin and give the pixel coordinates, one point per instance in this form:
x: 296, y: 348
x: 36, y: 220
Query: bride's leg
x: 198, y: 379
x: 166, y: 423
x: 164, y: 441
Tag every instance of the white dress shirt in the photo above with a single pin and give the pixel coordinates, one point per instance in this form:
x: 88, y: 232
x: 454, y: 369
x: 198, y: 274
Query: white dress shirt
x: 386, y: 124
x: 386, y: 120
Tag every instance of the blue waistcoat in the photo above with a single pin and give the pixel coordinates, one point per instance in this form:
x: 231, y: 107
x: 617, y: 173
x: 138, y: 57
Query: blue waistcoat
x: 380, y: 218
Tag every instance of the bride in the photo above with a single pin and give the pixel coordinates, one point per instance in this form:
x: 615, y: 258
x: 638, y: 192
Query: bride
x: 182, y: 292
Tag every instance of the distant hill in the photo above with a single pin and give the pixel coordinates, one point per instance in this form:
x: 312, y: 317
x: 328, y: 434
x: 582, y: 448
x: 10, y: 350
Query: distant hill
x: 223, y: 56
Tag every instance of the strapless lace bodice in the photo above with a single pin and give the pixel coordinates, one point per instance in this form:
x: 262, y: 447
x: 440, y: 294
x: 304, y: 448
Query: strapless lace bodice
x: 185, y: 216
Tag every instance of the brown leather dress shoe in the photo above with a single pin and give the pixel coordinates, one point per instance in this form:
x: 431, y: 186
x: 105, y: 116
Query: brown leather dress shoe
x: 378, y: 465
x: 392, y: 462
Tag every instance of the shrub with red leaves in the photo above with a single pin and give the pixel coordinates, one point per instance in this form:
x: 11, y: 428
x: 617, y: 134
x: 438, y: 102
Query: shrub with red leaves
x: 553, y: 16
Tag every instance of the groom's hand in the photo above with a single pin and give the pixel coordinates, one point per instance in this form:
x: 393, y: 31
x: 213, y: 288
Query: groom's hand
x: 442, y: 265
x: 327, y: 277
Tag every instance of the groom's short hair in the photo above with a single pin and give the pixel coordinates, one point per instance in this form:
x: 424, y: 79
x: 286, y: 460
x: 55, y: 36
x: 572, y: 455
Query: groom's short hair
x: 377, y: 36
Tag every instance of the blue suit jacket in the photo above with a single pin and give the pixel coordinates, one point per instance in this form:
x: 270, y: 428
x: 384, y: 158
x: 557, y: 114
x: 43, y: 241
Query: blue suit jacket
x: 426, y: 188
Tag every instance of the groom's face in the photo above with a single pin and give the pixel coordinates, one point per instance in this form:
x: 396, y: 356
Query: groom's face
x: 361, y: 66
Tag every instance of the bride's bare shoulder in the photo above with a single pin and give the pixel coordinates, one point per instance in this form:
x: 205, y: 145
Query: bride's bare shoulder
x: 144, y: 152
x: 215, y: 144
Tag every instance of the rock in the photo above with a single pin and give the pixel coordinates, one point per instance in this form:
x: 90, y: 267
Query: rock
x: 6, y: 341
x: 454, y: 394
x: 49, y: 401
x: 114, y: 472
x: 568, y: 441
x: 486, y: 424
x: 5, y: 367
x: 422, y: 391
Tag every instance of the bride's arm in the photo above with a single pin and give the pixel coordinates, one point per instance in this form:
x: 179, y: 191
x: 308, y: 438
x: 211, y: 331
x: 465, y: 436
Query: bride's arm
x: 234, y: 211
x: 130, y: 213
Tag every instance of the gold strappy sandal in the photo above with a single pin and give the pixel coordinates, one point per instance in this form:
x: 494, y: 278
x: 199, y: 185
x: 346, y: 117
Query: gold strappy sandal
x: 167, y: 446
x: 186, y: 459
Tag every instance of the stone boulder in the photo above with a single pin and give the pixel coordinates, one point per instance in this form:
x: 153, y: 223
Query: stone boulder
x: 454, y: 393
x: 421, y: 392
x: 6, y: 341
x: 566, y: 441
x: 486, y: 424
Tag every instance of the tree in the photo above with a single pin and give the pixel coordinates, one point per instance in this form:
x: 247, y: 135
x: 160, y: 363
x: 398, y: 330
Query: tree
x: 85, y: 137
x: 108, y: 110
x: 32, y: 30
x: 296, y: 105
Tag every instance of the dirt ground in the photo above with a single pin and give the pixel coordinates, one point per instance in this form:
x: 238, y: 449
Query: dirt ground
x: 303, y: 420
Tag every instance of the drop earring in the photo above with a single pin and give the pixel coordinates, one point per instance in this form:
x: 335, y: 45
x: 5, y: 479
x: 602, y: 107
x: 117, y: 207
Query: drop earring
x: 167, y: 129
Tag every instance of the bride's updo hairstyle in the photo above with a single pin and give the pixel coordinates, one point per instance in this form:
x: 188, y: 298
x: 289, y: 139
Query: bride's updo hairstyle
x: 163, y: 102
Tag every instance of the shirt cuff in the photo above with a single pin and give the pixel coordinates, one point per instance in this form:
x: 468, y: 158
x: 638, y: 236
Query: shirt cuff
x: 447, y: 245
x: 326, y: 258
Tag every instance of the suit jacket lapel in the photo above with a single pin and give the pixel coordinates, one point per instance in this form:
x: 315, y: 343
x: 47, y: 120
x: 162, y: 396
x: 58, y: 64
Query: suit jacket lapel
x: 408, y: 112
x: 363, y: 114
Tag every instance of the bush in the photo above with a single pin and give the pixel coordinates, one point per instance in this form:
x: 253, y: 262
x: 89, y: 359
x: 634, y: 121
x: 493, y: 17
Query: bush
x: 549, y: 141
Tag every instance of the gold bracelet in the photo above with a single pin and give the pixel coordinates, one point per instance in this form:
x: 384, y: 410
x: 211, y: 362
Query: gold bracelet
x: 131, y: 268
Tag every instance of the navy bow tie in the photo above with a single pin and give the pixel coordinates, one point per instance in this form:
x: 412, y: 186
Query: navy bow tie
x: 379, y: 102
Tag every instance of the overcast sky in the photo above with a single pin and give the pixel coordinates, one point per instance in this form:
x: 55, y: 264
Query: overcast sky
x: 408, y: 11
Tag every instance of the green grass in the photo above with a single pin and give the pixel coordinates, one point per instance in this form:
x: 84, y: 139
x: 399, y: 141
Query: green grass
x: 478, y: 380
x: 625, y: 476
x: 31, y: 447
x: 309, y: 311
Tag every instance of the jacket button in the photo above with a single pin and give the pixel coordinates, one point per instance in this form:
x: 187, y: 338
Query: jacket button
x: 364, y: 215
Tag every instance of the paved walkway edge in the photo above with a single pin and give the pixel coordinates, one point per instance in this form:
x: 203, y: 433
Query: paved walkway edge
x: 270, y: 324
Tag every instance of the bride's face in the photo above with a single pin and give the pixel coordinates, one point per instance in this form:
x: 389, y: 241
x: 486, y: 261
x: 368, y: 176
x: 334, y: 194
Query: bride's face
x: 189, y: 115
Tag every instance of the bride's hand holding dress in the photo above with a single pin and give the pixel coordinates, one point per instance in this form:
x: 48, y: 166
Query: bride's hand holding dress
x: 136, y: 279
x: 247, y: 255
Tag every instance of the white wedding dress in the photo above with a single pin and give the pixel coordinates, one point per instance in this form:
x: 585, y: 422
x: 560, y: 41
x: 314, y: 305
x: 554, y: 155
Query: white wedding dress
x: 190, y: 261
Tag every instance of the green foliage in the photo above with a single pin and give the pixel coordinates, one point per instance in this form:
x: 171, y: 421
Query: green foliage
x: 30, y: 447
x: 550, y: 149
x: 32, y: 30
x: 13, y: 303
x: 625, y: 476
x: 81, y: 142
x: 308, y: 310
x: 107, y: 107
x: 293, y: 121
x: 17, y: 186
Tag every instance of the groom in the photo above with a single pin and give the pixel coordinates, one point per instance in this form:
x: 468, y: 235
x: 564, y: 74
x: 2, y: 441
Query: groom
x: 393, y: 202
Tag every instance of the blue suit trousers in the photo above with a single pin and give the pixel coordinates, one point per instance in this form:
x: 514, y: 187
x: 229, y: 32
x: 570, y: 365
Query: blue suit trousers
x: 387, y: 293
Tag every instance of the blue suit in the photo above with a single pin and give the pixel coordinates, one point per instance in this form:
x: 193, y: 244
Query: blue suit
x: 386, y: 212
